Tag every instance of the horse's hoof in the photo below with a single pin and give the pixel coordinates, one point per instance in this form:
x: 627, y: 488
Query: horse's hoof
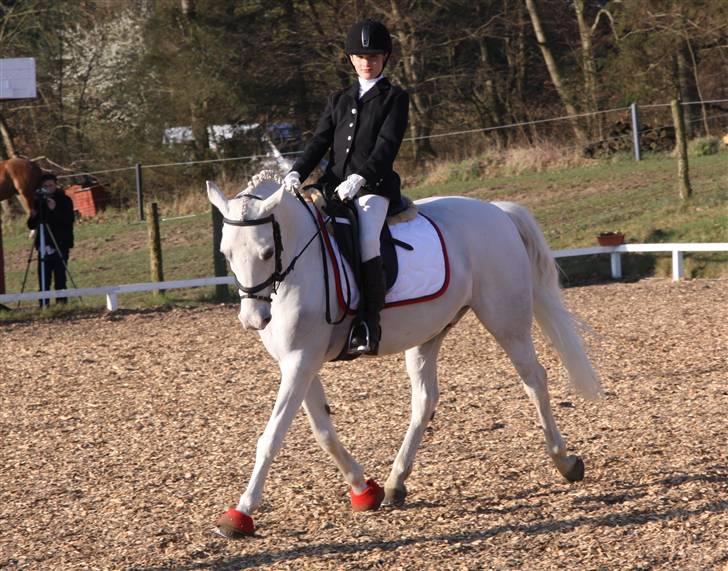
x: 235, y: 524
x: 369, y: 499
x: 576, y: 472
x: 395, y: 496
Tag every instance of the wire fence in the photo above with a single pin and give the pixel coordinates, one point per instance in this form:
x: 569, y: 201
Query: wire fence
x: 258, y: 157
x: 128, y: 262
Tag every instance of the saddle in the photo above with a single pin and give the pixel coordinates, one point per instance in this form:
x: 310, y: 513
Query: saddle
x: 344, y: 225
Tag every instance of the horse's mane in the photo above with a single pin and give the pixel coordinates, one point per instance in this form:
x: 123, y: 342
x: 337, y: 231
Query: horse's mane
x: 258, y: 180
x: 266, y: 175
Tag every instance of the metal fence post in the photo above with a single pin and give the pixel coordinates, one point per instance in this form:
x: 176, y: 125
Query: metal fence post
x: 139, y: 190
x: 634, y: 114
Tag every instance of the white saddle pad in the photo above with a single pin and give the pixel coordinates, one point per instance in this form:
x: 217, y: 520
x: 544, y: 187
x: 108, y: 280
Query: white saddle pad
x: 424, y: 272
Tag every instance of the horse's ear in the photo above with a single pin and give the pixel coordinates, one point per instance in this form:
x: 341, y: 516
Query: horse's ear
x: 217, y: 198
x: 272, y: 201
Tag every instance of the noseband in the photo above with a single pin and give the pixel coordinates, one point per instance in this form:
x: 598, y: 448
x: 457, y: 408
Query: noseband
x: 277, y: 276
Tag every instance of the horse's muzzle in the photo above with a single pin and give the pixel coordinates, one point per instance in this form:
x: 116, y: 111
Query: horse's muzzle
x: 255, y: 318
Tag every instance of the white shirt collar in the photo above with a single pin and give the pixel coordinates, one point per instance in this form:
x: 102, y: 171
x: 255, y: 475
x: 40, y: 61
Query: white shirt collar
x: 366, y: 84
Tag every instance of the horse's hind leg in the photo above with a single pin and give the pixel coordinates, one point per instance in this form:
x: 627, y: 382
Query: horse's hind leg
x: 523, y: 355
x: 323, y: 430
x: 510, y: 322
x: 422, y: 370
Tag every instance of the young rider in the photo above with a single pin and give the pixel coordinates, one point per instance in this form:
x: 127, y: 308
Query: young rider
x: 362, y: 128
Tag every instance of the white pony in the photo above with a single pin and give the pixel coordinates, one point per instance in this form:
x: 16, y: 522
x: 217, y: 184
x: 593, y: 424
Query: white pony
x: 500, y: 267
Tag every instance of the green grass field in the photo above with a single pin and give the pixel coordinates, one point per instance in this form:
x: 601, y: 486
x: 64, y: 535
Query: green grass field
x: 572, y: 205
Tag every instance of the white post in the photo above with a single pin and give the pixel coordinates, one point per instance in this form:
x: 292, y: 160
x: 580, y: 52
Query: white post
x: 616, y: 261
x: 678, y: 266
x: 112, y: 301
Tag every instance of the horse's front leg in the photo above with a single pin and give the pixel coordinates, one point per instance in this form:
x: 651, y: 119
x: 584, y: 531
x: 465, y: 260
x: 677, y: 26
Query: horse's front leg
x: 422, y: 370
x: 296, y: 377
x: 365, y: 494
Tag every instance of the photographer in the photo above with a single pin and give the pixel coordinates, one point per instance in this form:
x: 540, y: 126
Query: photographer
x: 54, y: 210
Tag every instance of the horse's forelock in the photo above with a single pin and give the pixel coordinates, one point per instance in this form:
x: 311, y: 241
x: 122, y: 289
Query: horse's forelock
x: 239, y: 208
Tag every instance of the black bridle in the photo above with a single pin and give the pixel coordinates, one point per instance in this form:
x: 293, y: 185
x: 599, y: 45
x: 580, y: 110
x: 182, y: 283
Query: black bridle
x: 277, y: 276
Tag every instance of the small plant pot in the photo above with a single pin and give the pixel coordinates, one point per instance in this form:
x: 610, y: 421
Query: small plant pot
x: 610, y: 238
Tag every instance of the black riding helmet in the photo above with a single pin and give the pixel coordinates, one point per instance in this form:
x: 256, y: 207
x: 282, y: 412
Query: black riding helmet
x: 368, y: 37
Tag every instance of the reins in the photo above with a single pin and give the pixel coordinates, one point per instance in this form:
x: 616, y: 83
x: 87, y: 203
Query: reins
x: 277, y: 277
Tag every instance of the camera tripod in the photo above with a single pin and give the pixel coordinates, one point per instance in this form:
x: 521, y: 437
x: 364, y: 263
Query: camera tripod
x: 43, y: 233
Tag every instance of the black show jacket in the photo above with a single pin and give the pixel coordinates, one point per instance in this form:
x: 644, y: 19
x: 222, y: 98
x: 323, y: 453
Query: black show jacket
x: 59, y: 220
x: 363, y: 136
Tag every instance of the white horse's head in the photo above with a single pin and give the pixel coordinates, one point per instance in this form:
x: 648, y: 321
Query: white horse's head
x: 251, y: 243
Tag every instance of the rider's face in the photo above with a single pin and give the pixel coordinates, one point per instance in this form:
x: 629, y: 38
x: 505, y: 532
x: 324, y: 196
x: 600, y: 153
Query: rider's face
x: 368, y: 66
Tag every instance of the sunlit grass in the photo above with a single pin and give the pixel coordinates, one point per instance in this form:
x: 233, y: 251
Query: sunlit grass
x: 572, y: 203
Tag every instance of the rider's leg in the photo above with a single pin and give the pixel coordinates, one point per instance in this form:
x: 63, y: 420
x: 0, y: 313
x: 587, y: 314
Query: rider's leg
x: 325, y: 434
x: 372, y: 210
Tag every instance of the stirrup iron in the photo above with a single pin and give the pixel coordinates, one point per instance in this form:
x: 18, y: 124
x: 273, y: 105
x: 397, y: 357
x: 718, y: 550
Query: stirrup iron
x: 359, y: 349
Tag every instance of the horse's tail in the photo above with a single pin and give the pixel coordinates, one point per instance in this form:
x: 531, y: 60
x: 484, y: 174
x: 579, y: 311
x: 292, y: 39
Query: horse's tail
x: 557, y: 323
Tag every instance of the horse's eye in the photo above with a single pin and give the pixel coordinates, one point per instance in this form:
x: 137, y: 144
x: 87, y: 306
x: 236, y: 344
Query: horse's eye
x: 266, y: 254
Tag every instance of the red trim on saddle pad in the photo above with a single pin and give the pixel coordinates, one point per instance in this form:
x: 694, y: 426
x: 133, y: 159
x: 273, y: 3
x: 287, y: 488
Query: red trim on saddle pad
x: 337, y: 273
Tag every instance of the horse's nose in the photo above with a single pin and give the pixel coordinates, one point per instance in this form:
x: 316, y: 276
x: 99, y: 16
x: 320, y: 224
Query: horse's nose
x: 254, y: 321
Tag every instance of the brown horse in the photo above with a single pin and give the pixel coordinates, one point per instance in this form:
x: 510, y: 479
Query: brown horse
x: 21, y: 176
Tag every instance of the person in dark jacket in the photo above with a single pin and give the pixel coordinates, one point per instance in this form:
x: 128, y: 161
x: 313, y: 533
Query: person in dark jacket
x: 54, y: 210
x: 362, y: 128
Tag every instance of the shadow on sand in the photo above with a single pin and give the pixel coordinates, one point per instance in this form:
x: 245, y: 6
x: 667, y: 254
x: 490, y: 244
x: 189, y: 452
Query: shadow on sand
x: 625, y: 491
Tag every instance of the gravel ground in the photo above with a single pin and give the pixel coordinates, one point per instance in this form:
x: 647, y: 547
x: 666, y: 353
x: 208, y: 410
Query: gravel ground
x: 124, y: 436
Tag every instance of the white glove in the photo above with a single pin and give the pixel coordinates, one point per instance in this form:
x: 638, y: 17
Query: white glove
x: 350, y: 187
x: 292, y: 181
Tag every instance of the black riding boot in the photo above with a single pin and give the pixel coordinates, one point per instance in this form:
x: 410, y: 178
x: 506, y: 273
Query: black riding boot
x: 374, y: 289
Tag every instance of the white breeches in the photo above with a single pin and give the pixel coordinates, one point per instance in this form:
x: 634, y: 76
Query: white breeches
x: 372, y: 211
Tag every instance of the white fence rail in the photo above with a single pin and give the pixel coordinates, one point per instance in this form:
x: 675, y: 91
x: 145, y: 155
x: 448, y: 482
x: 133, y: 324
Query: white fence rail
x: 112, y: 292
x: 615, y: 252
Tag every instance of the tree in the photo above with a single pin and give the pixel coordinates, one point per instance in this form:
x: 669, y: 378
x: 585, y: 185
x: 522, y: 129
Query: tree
x: 18, y: 24
x: 671, y: 47
x: 565, y: 93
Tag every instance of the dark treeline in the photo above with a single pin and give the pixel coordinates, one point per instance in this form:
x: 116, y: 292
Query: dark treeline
x: 113, y: 75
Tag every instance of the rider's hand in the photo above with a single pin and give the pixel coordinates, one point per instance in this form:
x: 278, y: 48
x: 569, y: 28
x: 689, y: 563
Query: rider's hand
x: 350, y: 187
x: 292, y: 181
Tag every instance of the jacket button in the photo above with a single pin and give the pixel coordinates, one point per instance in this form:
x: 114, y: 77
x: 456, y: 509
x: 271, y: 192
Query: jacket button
x: 353, y: 111
x: 348, y: 138
x: 347, y: 149
x: 351, y: 124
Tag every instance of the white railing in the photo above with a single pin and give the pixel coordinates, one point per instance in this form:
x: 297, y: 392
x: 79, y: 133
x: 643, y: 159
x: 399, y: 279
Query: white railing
x: 615, y: 252
x: 112, y: 292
